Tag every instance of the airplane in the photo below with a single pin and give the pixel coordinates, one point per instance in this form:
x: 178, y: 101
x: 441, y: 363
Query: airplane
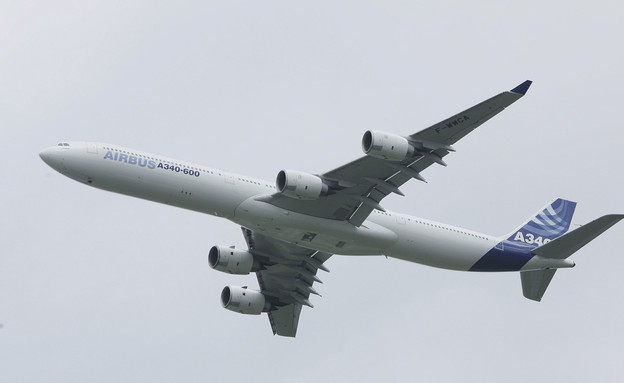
x: 294, y: 226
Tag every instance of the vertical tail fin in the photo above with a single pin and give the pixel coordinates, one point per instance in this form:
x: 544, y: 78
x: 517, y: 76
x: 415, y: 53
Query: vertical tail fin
x: 535, y: 283
x: 550, y: 222
x: 545, y: 233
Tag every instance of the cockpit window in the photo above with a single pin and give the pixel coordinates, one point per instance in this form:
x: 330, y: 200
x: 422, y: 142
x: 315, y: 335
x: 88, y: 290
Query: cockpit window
x: 63, y: 144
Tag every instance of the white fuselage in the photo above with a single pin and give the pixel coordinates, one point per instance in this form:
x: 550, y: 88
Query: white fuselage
x: 233, y: 196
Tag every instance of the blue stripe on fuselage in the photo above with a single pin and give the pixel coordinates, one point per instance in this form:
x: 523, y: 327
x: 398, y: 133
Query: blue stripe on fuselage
x: 506, y: 256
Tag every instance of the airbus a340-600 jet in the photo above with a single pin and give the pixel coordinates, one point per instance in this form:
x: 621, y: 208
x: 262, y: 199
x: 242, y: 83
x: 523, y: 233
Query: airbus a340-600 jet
x: 294, y: 226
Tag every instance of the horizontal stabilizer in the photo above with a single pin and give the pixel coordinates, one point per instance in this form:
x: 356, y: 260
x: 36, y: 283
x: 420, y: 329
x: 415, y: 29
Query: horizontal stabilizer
x: 535, y: 283
x: 569, y: 243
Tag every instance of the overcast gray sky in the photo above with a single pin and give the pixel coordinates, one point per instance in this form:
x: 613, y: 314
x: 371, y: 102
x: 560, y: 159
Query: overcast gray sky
x: 101, y: 287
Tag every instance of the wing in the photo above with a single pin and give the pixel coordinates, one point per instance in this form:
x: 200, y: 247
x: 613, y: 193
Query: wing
x: 357, y: 188
x: 287, y: 273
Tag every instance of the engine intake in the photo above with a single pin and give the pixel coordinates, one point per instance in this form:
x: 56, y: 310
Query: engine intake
x: 242, y: 300
x: 230, y: 260
x: 386, y: 146
x: 300, y: 185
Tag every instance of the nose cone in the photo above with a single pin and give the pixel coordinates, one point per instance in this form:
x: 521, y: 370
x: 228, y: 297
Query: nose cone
x: 53, y: 157
x: 46, y: 155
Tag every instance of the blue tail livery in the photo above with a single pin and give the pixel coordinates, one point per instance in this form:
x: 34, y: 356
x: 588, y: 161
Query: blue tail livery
x: 515, y: 250
x: 547, y: 224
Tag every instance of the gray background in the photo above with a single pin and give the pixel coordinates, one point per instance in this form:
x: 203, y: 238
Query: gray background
x: 101, y: 287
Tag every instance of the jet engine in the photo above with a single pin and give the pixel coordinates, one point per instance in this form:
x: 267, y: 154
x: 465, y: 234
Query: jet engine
x: 242, y: 300
x: 230, y: 260
x: 386, y: 146
x: 300, y: 185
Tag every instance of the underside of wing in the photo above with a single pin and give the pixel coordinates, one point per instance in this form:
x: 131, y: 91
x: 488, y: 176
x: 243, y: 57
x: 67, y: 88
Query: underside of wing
x: 351, y: 192
x: 284, y: 319
x: 286, y: 273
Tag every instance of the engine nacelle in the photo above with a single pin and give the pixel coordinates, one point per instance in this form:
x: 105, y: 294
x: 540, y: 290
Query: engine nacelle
x: 386, y: 146
x: 242, y: 300
x: 229, y: 260
x: 300, y: 185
